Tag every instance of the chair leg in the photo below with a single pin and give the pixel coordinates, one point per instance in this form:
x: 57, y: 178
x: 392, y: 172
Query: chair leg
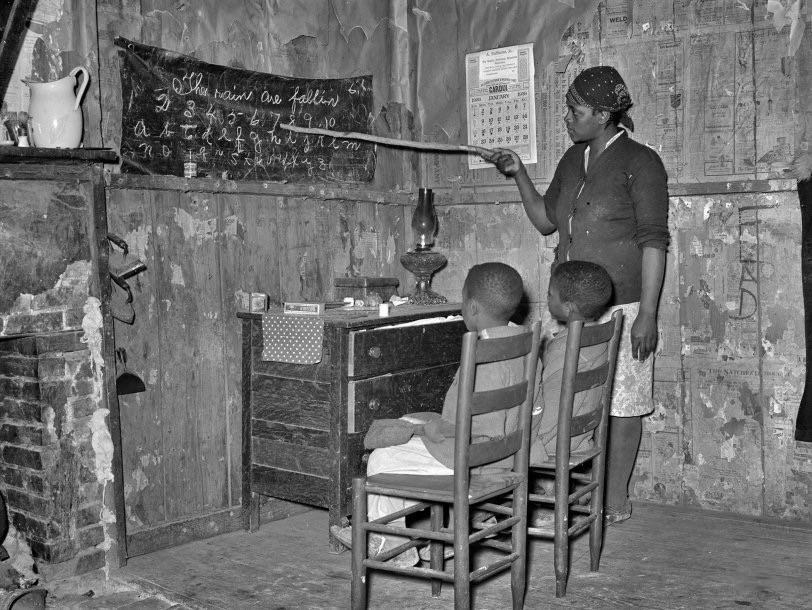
x: 437, y: 548
x: 358, y: 596
x: 561, y: 543
x: 596, y: 529
x: 518, y: 571
x: 462, y: 559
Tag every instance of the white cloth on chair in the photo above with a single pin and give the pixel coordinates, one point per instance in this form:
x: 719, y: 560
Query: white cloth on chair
x: 409, y: 458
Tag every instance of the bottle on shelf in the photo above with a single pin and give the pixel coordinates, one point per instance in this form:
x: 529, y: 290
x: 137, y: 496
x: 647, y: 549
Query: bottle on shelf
x: 190, y: 167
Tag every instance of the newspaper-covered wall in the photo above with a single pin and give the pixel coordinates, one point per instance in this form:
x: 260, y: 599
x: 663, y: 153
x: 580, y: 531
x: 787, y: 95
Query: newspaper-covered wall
x: 714, y: 86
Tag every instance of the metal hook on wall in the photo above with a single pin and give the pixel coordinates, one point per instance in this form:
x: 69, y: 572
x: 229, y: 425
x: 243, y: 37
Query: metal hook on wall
x: 118, y: 241
x: 123, y: 312
x: 120, y: 277
x: 131, y: 270
x: 121, y: 283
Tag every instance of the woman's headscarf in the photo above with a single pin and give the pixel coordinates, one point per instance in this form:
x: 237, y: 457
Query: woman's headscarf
x: 602, y: 88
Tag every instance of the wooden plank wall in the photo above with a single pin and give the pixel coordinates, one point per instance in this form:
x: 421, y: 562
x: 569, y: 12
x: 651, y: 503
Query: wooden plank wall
x: 690, y: 454
x: 181, y: 438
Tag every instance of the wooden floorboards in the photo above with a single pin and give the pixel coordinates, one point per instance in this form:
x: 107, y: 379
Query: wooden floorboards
x: 662, y: 558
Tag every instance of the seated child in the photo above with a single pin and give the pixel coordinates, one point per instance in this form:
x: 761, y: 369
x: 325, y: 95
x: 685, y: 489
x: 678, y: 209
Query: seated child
x: 490, y: 296
x: 578, y: 290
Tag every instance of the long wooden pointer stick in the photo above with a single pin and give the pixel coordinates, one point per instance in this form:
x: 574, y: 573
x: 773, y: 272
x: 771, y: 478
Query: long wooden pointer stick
x: 353, y: 135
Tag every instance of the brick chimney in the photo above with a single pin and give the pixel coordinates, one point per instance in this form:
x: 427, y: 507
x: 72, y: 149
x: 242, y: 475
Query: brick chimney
x: 48, y: 465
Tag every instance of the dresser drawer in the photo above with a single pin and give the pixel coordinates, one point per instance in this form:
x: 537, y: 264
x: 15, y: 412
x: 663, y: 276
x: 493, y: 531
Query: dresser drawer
x: 393, y: 395
x: 374, y: 352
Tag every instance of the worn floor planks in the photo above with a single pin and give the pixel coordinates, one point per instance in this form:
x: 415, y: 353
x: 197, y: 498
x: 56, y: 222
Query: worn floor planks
x: 662, y: 558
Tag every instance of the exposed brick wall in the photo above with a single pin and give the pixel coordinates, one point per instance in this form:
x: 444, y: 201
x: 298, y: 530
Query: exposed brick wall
x: 47, y: 462
x: 57, y: 309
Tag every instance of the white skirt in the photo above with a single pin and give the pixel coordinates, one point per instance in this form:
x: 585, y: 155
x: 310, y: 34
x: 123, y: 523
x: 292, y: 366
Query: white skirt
x: 632, y: 394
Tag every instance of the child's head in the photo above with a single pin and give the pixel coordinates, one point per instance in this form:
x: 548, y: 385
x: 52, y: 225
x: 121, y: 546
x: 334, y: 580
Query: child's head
x: 578, y: 290
x: 490, y: 295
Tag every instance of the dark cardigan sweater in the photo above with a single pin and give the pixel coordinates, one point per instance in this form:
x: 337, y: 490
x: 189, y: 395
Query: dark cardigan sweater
x: 622, y: 208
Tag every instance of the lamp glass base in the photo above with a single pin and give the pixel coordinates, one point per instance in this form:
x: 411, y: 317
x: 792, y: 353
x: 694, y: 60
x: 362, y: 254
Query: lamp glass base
x: 422, y: 264
x: 426, y: 297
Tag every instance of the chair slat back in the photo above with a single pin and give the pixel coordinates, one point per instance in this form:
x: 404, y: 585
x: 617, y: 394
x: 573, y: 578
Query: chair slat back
x: 486, y: 452
x: 476, y: 351
x: 587, y: 380
x: 581, y: 424
x: 600, y: 333
x: 489, y: 401
x: 503, y: 348
x: 573, y: 381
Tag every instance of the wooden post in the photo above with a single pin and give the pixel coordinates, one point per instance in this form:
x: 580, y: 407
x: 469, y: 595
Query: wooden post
x: 803, y: 423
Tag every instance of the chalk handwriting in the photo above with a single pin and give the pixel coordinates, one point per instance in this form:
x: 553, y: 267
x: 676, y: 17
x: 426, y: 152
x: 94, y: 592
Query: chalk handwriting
x: 750, y: 259
x: 311, y: 97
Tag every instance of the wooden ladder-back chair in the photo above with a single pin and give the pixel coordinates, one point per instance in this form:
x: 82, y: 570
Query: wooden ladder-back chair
x: 578, y: 498
x: 464, y: 489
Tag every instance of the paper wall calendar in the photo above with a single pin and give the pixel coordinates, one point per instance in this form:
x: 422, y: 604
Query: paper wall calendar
x: 500, y: 87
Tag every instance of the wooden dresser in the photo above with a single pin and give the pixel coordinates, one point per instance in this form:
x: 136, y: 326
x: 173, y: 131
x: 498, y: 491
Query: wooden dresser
x: 303, y: 426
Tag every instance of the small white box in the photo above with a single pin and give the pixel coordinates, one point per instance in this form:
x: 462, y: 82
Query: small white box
x: 303, y: 309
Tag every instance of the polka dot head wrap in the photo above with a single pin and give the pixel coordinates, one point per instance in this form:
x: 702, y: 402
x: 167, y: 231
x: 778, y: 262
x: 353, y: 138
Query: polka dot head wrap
x: 602, y: 88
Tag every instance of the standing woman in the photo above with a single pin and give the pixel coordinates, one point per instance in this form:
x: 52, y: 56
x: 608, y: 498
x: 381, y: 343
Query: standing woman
x: 608, y: 200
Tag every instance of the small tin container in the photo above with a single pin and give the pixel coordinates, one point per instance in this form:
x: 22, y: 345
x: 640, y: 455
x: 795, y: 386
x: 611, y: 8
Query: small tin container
x: 259, y: 302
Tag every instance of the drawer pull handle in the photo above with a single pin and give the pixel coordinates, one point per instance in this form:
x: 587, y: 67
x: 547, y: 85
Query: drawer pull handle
x: 375, y: 351
x: 374, y: 404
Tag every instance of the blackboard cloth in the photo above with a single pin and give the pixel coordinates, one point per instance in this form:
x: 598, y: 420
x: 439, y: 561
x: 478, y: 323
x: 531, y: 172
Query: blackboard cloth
x: 178, y: 109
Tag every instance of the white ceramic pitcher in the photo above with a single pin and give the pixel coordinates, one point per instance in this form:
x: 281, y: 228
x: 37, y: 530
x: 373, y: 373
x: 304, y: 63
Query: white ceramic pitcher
x: 54, y: 116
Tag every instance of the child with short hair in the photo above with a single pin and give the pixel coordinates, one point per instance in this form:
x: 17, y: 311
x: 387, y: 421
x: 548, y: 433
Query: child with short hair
x: 578, y: 290
x: 490, y: 295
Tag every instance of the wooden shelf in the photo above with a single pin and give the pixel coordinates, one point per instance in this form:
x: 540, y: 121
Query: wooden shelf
x: 322, y: 190
x: 17, y: 154
x: 488, y: 194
